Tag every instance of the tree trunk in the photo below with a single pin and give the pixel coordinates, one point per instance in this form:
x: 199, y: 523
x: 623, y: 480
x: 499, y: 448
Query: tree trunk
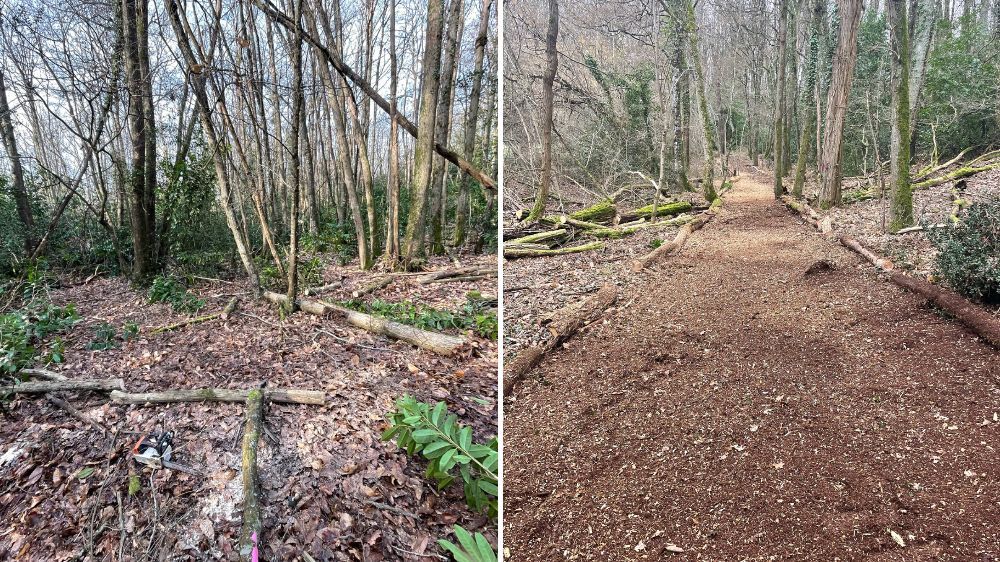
x: 413, y: 245
x: 439, y: 194
x: 294, y: 158
x: 392, y: 250
x: 836, y: 104
x: 779, y: 98
x: 197, y: 79
x: 142, y: 182
x: 471, y: 118
x: 551, y: 66
x: 901, y: 194
x: 708, y: 180
x: 17, y: 172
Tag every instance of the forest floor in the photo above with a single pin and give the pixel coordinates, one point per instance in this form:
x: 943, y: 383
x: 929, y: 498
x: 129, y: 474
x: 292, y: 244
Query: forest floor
x: 330, y: 487
x: 748, y: 400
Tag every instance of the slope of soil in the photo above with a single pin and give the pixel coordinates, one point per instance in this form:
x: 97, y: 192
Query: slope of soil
x: 748, y: 401
x: 331, y: 487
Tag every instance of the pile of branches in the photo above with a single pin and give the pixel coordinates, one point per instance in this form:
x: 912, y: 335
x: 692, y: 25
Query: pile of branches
x: 553, y: 235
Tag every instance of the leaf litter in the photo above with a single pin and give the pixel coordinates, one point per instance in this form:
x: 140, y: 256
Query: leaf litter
x: 330, y: 487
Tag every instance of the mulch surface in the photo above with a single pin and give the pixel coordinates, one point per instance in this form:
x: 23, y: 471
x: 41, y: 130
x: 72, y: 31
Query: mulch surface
x: 736, y: 407
x: 331, y: 487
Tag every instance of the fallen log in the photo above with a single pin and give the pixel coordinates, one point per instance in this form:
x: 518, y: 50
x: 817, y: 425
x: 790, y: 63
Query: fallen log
x: 920, y: 227
x: 322, y: 288
x: 931, y: 168
x: 71, y: 410
x: 442, y: 344
x: 461, y: 279
x: 808, y: 214
x: 877, y: 261
x: 230, y: 307
x: 663, y: 209
x: 374, y: 286
x: 679, y: 239
x: 565, y: 323
x: 953, y: 175
x: 456, y: 272
x: 540, y: 237
x: 513, y: 253
x: 251, y: 528
x: 968, y: 313
x: 99, y: 385
x: 604, y: 211
x: 43, y: 374
x: 283, y: 395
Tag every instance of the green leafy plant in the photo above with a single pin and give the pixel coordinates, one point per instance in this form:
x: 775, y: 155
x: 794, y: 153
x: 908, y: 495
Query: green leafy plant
x: 130, y: 331
x: 470, y: 548
x: 655, y: 243
x: 104, y: 338
x: 23, y: 334
x: 171, y: 291
x: 969, y: 253
x: 447, y: 444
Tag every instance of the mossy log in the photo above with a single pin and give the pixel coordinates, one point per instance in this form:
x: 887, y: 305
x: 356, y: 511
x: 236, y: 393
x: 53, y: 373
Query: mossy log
x: 250, y: 531
x: 547, y: 236
x: 667, y: 209
x: 283, y: 395
x: 974, y: 317
x: 926, y: 171
x: 224, y: 313
x: 953, y: 175
x: 442, y: 344
x: 602, y: 212
x: 565, y: 323
x: 43, y: 387
x: 525, y: 246
x: 513, y: 253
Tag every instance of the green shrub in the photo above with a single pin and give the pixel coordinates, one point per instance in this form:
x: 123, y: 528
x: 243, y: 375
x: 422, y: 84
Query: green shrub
x: 23, y: 334
x: 447, y: 444
x: 171, y: 291
x: 969, y: 253
x: 104, y: 338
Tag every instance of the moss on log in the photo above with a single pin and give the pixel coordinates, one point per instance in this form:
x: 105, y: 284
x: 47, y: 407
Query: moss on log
x: 959, y: 173
x: 513, y: 253
x: 546, y: 236
x: 601, y: 212
x: 250, y: 531
x: 663, y: 209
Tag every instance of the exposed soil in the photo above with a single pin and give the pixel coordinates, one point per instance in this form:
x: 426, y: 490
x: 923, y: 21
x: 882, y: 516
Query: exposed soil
x: 331, y: 487
x: 737, y: 407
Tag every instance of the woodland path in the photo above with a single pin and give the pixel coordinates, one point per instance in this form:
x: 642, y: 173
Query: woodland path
x: 740, y: 408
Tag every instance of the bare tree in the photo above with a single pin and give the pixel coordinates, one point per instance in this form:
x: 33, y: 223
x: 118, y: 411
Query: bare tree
x: 552, y: 63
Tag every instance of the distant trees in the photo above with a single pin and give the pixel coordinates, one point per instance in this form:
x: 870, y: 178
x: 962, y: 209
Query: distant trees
x: 184, y: 132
